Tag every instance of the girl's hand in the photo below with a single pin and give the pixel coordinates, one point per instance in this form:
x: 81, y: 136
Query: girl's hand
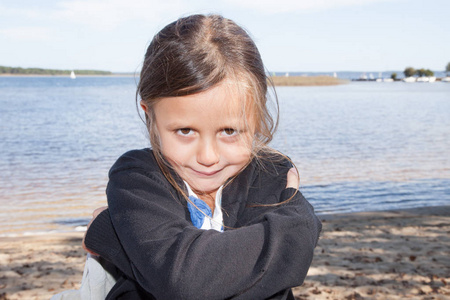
x: 293, y: 181
x: 94, y: 215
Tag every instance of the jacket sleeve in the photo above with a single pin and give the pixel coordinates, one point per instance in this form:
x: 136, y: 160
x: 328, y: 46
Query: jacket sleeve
x: 172, y: 259
x: 102, y: 239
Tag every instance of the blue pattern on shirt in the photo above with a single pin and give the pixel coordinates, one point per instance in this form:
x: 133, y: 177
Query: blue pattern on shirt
x: 197, y: 217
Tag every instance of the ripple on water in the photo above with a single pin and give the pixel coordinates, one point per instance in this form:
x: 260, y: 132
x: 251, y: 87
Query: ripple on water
x: 358, y: 147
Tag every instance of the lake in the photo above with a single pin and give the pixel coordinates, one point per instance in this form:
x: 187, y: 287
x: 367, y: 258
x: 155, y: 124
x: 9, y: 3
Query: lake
x: 362, y: 146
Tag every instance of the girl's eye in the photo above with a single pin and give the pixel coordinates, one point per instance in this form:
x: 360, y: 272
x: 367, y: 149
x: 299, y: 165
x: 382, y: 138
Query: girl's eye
x: 185, y: 131
x: 229, y: 132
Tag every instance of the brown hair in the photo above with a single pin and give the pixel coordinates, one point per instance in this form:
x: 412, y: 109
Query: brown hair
x: 194, y: 54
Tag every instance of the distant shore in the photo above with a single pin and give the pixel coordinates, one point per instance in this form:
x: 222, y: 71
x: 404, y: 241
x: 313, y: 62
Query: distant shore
x: 41, y: 71
x: 306, y: 80
x: 67, y: 76
x: 369, y: 255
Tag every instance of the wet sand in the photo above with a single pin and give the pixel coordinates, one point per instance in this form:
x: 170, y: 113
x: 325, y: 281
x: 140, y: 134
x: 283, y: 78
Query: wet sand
x: 373, y: 255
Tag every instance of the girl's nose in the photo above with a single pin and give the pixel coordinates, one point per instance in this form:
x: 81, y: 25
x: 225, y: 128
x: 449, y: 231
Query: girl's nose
x: 207, y: 154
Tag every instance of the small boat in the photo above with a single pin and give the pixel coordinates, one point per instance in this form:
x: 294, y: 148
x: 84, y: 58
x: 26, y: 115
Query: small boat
x: 72, y: 75
x: 423, y: 79
x: 409, y: 79
x: 432, y: 79
x: 388, y: 80
x: 380, y: 77
x: 446, y: 79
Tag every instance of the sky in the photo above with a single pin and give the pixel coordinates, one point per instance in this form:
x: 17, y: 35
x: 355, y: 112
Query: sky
x: 292, y: 35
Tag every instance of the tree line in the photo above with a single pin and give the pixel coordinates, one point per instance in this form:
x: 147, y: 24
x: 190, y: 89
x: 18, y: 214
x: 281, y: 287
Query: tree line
x: 38, y: 71
x: 410, y: 71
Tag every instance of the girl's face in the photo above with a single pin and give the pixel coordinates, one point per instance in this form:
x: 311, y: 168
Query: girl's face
x: 205, y: 136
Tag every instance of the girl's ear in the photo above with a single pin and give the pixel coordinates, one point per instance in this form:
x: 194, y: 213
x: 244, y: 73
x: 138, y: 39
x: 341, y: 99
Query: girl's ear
x: 144, y: 106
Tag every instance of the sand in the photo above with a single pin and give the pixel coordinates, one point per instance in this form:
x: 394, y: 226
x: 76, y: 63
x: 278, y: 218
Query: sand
x: 379, y: 255
x: 382, y: 255
x: 38, y: 267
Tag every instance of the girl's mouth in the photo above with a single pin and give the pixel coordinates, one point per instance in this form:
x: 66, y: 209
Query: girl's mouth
x: 206, y: 174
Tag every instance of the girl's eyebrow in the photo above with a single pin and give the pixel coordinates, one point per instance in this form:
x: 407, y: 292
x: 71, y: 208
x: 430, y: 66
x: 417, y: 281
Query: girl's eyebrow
x: 178, y: 124
x: 232, y: 123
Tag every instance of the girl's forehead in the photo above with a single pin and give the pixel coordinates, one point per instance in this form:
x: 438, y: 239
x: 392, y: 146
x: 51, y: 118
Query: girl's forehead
x: 225, y: 96
x: 220, y: 104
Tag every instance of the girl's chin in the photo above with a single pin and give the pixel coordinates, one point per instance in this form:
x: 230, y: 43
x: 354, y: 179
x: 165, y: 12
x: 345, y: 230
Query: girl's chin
x: 203, y: 188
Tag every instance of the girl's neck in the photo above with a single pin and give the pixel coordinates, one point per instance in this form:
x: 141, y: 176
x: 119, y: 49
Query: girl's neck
x: 209, y: 199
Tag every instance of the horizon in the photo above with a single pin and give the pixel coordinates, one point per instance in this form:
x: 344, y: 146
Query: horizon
x: 292, y: 36
x: 269, y: 72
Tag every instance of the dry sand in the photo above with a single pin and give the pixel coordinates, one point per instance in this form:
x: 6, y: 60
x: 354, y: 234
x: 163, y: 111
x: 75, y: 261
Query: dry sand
x: 380, y: 255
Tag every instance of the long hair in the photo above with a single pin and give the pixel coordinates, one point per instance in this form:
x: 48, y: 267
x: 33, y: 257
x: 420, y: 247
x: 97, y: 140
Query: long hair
x: 194, y: 54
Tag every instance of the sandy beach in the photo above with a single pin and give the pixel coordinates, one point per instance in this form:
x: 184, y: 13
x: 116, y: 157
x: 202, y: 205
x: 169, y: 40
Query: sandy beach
x: 372, y: 255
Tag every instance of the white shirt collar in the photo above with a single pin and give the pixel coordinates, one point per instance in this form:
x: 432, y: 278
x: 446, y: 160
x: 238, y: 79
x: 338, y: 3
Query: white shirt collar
x: 216, y: 222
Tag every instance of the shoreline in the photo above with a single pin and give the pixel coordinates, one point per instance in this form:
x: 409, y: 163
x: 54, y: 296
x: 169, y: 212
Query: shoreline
x: 81, y: 227
x: 392, y: 254
x: 67, y: 76
x: 433, y: 210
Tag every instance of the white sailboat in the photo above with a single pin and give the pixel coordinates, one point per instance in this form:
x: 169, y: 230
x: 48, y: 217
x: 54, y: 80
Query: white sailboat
x: 72, y: 75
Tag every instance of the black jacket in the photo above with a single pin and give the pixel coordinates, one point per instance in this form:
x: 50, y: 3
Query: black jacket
x: 148, y: 235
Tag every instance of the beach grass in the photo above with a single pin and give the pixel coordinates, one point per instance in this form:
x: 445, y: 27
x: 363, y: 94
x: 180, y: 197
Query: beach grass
x: 306, y: 80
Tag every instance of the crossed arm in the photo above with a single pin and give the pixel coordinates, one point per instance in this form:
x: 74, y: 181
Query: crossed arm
x: 147, y: 235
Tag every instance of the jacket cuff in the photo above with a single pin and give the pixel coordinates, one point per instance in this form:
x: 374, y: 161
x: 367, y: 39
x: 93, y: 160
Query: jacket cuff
x: 289, y: 193
x: 102, y: 239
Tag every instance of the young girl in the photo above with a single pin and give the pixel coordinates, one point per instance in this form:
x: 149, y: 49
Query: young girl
x: 210, y: 212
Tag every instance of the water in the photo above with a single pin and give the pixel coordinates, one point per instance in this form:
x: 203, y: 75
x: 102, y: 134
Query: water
x: 369, y: 146
x: 359, y: 147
